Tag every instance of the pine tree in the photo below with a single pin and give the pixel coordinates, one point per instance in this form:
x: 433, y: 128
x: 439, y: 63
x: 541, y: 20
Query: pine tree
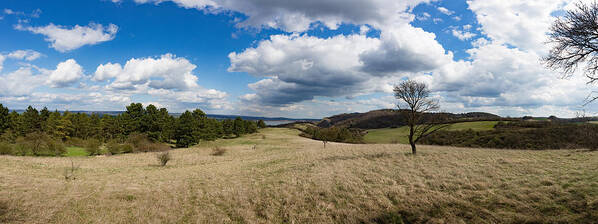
x: 261, y: 124
x: 184, y: 130
x: 238, y: 127
x: 4, y: 119
x: 31, y: 120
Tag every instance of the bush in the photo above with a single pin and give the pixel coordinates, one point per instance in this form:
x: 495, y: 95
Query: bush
x: 163, y: 158
x: 76, y: 142
x: 217, y: 151
x: 139, y: 141
x: 55, y: 147
x: 334, y: 134
x: 521, y: 135
x: 113, y: 148
x: 6, y: 149
x: 92, y: 146
x: 126, y: 148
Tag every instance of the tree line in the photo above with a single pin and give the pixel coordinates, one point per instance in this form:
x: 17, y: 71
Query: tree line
x: 42, y: 132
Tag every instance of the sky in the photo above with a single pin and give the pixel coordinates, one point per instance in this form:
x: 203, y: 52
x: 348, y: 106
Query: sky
x: 298, y: 59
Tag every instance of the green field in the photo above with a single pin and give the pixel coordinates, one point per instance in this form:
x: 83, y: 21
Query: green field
x: 76, y: 151
x: 400, y: 135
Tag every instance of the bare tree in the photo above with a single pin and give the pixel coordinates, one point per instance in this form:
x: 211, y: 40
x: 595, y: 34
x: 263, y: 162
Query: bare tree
x: 574, y: 37
x: 415, y: 105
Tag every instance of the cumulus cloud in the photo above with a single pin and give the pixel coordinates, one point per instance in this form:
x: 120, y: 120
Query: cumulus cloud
x: 20, y: 82
x: 66, y: 74
x: 519, y: 23
x: 405, y: 49
x: 168, y: 80
x: 65, y: 39
x: 301, y: 67
x: 298, y: 16
x: 165, y: 72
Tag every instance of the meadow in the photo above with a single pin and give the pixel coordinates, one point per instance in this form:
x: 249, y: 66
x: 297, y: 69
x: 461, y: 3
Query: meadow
x: 400, y: 135
x: 275, y: 176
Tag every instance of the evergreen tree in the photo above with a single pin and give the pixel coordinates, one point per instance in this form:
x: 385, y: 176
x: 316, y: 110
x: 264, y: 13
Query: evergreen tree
x: 4, y: 119
x: 55, y: 126
x: 150, y: 123
x: 184, y: 130
x: 95, y: 126
x: 167, y: 125
x: 31, y: 120
x: 261, y: 124
x: 238, y: 127
x: 132, y: 118
x: 227, y: 127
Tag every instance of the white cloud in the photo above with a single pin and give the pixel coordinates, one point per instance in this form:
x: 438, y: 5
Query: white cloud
x: 519, y: 23
x: 66, y: 74
x: 500, y: 77
x: 165, y: 72
x: 168, y: 80
x: 65, y: 39
x: 2, y: 58
x: 20, y: 82
x: 424, y: 16
x: 107, y: 71
x: 462, y: 34
x: 445, y: 11
x: 299, y: 68
x: 298, y: 16
x: 28, y: 55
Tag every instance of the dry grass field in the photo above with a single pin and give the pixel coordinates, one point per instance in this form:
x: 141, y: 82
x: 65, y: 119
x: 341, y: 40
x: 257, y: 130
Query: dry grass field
x: 289, y: 179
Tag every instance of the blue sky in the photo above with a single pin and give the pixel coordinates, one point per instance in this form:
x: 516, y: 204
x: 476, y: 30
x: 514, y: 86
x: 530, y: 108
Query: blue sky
x: 282, y: 58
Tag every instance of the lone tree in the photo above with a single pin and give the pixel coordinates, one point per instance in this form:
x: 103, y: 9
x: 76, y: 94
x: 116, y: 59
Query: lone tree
x: 416, y: 107
x: 574, y: 40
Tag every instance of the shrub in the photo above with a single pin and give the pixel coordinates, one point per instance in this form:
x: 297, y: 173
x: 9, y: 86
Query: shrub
x: 163, y: 158
x: 6, y: 149
x: 521, y: 135
x: 92, y: 146
x: 126, y: 148
x: 217, y: 151
x: 21, y: 148
x: 76, y: 142
x: 55, y: 147
x: 113, y: 147
x: 139, y: 141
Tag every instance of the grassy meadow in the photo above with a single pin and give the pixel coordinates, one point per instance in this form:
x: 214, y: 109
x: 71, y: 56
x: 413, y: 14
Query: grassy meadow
x: 277, y: 177
x: 400, y: 135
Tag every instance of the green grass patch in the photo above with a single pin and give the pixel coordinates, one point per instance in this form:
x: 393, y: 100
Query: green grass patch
x: 76, y: 151
x: 400, y: 135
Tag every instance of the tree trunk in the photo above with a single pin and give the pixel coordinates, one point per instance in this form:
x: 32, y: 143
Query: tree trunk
x: 413, y: 150
x: 411, y: 135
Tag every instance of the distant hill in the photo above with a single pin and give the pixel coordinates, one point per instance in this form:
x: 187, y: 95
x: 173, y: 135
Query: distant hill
x: 386, y: 118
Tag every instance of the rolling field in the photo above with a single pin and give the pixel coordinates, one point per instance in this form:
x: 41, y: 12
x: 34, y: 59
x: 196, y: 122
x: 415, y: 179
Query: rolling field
x: 400, y: 135
x: 289, y: 179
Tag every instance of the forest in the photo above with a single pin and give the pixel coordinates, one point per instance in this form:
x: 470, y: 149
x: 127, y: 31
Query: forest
x: 138, y: 129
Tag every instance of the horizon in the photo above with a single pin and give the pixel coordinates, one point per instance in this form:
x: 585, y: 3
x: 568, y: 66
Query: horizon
x: 285, y: 59
x: 283, y: 118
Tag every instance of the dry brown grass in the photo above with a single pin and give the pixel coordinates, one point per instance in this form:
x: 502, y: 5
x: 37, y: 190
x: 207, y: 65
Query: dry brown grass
x: 292, y: 179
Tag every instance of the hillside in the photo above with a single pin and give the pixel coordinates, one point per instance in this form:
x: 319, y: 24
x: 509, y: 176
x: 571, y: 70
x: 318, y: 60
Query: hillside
x: 387, y: 118
x: 288, y: 179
